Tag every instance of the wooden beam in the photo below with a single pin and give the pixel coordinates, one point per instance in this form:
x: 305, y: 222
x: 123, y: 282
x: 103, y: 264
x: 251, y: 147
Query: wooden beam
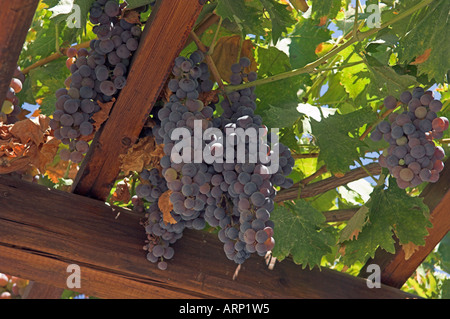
x: 395, y: 268
x: 16, y: 18
x: 37, y: 290
x: 162, y: 41
x: 42, y: 231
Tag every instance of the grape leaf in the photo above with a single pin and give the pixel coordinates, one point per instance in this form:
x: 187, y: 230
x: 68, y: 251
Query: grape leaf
x: 304, y: 40
x: 244, y: 16
x: 298, y: 232
x: 444, y: 252
x: 354, y: 225
x: 337, y: 149
x: 385, y: 81
x: 275, y: 109
x: 431, y: 32
x: 391, y: 211
x: 326, y: 8
x: 279, y: 16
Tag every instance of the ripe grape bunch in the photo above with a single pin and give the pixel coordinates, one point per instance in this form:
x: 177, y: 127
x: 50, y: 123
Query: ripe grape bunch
x: 10, y: 107
x: 97, y: 76
x: 413, y: 157
x: 235, y: 196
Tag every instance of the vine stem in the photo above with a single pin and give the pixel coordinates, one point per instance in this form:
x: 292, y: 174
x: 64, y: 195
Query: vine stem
x: 212, y: 66
x: 53, y: 57
x: 311, y: 67
x: 355, y: 24
x: 214, y: 41
x: 380, y: 118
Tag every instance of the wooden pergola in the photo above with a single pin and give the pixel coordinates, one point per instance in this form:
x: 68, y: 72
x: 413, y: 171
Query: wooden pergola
x: 42, y: 230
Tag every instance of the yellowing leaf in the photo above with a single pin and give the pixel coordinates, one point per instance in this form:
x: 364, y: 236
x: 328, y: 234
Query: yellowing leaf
x: 409, y: 249
x: 166, y: 207
x: 323, y: 48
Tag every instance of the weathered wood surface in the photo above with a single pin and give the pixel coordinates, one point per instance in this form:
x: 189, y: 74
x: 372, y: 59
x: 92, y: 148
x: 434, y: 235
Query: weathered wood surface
x: 42, y: 231
x: 16, y: 18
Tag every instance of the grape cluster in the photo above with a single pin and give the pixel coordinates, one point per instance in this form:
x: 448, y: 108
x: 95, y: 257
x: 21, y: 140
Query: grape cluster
x: 10, y: 107
x: 97, y: 76
x: 159, y: 234
x: 235, y: 195
x: 413, y: 157
x: 248, y: 183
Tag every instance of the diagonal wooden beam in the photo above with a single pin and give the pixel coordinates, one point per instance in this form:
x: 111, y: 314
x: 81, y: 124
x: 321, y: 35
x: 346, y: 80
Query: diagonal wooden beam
x: 42, y: 231
x: 395, y: 269
x: 16, y: 18
x: 163, y: 39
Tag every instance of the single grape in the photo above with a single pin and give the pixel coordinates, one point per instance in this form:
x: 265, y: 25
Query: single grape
x: 390, y: 102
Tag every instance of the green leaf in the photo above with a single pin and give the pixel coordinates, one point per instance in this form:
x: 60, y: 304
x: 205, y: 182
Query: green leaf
x: 298, y: 232
x: 431, y: 32
x: 45, y: 43
x: 354, y: 225
x: 277, y: 110
x: 385, y: 81
x: 337, y: 149
x: 444, y: 252
x: 244, y: 16
x: 445, y: 289
x: 326, y: 8
x: 391, y: 211
x: 304, y: 40
x: 279, y: 16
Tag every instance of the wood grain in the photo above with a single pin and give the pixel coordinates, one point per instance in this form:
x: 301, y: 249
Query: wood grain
x: 42, y: 231
x: 16, y: 18
x: 163, y: 39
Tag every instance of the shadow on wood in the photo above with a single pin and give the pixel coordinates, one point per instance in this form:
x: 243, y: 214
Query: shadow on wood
x: 42, y: 231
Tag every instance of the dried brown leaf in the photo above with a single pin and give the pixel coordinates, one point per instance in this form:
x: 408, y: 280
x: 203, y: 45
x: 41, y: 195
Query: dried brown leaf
x: 101, y: 116
x: 59, y: 169
x: 46, y: 154
x: 31, y: 130
x: 138, y: 156
x: 166, y: 207
x: 132, y: 16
